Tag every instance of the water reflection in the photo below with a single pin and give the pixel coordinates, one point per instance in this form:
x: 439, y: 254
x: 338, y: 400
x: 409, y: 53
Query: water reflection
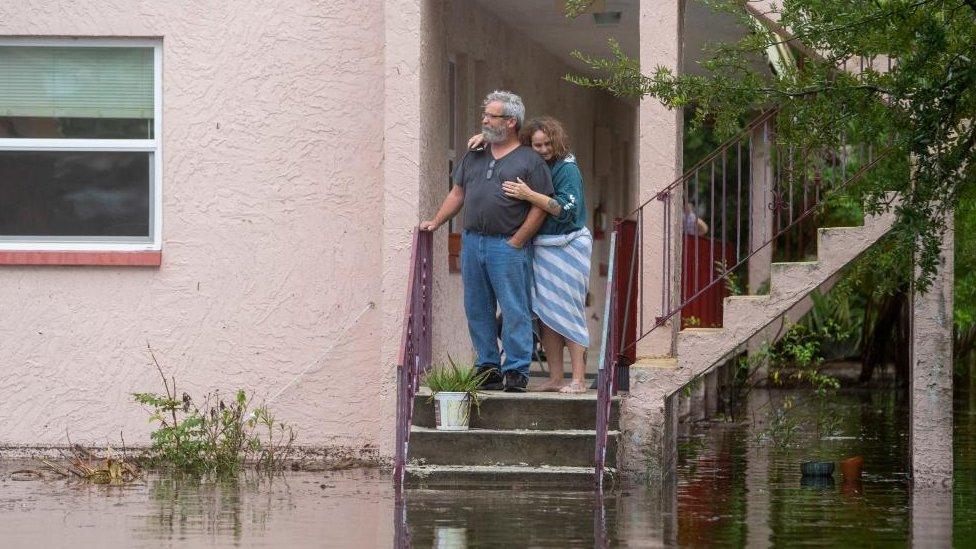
x: 731, y: 490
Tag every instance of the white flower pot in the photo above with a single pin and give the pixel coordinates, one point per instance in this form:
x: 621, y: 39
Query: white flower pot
x: 452, y: 411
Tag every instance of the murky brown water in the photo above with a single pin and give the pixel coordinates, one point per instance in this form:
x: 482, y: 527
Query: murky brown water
x: 731, y: 491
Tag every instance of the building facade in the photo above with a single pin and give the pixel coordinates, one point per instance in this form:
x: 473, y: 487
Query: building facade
x: 235, y: 187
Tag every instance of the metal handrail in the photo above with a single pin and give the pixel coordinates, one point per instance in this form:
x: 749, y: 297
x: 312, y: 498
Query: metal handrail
x: 725, y: 146
x: 414, y: 357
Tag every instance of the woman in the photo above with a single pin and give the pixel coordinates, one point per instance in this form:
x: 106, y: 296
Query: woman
x: 562, y: 247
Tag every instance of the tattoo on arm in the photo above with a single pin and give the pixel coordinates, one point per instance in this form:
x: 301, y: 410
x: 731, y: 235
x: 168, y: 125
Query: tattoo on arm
x: 552, y: 205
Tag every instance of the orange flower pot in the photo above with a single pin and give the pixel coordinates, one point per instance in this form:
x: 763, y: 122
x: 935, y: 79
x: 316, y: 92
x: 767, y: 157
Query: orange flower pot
x: 851, y: 467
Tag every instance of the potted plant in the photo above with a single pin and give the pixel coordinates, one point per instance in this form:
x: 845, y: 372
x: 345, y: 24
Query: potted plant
x: 454, y: 389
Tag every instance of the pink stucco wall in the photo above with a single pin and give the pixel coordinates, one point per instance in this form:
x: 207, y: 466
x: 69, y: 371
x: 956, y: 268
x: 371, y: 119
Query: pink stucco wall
x: 271, y: 243
x: 302, y: 143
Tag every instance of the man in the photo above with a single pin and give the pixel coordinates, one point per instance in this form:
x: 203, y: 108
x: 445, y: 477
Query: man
x: 495, y: 262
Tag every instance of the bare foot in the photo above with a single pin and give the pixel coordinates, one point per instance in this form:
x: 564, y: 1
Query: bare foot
x: 574, y: 388
x: 550, y: 386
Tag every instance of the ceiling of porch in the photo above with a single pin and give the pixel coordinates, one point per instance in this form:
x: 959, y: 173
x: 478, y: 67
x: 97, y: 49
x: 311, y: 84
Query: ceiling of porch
x: 544, y: 21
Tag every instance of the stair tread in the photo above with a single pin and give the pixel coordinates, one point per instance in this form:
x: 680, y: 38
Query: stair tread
x: 567, y: 469
x: 528, y: 395
x: 787, y: 264
x: 655, y: 363
x: 523, y: 432
x: 748, y: 297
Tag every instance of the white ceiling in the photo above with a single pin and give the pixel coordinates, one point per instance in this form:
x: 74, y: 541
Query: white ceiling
x: 544, y: 22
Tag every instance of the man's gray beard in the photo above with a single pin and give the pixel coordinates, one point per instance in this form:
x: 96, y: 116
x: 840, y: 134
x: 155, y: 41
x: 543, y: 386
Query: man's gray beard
x: 493, y: 135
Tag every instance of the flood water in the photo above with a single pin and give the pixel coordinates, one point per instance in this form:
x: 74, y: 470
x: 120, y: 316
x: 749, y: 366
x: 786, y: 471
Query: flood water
x: 736, y: 486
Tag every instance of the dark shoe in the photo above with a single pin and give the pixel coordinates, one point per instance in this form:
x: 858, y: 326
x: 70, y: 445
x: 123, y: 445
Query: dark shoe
x: 493, y: 381
x: 515, y: 382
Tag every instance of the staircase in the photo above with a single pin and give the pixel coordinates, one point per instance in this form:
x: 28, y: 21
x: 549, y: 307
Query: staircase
x: 537, y: 439
x: 744, y: 315
x: 777, y: 202
x: 649, y: 446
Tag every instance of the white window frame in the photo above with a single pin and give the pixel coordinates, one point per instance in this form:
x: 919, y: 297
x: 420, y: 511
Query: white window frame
x: 154, y: 146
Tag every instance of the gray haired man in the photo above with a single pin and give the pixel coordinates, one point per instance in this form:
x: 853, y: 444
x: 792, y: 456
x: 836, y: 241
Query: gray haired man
x: 496, y: 264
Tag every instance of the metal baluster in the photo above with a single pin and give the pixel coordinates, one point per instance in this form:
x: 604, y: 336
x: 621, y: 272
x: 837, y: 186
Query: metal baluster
x: 695, y: 235
x: 790, y: 181
x: 724, y: 221
x: 738, y: 203
x: 664, y: 259
x: 711, y: 226
x: 669, y: 231
x: 640, y: 260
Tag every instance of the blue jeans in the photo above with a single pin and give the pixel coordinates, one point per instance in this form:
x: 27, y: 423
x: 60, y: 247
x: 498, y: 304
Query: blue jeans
x: 495, y: 272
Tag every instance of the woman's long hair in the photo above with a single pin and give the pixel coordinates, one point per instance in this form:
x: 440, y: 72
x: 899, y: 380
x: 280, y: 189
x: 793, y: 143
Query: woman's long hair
x: 553, y: 130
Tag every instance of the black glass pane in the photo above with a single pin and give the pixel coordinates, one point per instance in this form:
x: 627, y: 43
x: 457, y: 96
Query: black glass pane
x: 75, y: 128
x: 73, y: 194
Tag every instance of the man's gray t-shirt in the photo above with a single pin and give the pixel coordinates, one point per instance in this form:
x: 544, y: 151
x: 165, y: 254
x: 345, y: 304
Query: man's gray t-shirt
x: 486, y: 208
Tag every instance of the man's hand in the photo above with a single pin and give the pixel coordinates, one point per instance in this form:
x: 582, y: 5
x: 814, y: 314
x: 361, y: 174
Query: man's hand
x: 515, y: 243
x: 429, y: 225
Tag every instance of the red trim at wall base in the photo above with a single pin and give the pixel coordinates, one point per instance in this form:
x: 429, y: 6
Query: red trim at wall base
x: 136, y: 259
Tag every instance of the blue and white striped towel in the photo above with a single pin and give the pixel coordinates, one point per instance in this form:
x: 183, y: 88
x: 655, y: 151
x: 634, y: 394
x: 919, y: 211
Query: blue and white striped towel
x: 561, y: 269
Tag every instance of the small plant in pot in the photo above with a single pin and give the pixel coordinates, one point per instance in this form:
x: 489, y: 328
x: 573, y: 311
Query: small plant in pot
x: 455, y: 390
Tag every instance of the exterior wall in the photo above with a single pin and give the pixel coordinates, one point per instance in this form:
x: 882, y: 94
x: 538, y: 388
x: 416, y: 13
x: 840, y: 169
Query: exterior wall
x: 660, y: 164
x: 289, y: 204
x: 272, y: 178
x: 930, y: 385
x: 491, y: 55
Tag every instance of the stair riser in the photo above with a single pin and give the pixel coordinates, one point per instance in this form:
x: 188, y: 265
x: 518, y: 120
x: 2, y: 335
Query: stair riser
x: 520, y: 481
x: 548, y: 414
x: 787, y: 279
x: 474, y: 448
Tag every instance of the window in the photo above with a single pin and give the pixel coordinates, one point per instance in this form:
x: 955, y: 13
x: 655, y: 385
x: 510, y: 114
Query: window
x: 80, y: 147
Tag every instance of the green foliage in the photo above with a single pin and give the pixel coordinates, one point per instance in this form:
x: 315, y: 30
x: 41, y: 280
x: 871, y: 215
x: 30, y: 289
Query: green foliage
x: 575, y: 8
x: 838, y: 318
x: 454, y: 378
x: 216, y: 437
x: 919, y: 109
x: 783, y: 425
x: 274, y: 439
x: 211, y: 438
x: 965, y: 277
x: 733, y: 283
x: 798, y: 357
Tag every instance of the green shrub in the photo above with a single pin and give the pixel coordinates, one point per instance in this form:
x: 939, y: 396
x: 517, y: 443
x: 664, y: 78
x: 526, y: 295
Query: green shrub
x: 216, y: 437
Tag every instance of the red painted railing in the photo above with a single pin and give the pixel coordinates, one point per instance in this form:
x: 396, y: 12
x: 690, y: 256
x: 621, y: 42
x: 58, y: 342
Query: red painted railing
x: 414, y: 357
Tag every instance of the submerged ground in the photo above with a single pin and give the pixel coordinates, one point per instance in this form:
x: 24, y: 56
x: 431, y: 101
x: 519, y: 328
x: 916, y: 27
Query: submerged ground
x: 738, y: 484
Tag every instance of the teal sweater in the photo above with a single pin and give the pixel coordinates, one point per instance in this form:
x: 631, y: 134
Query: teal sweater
x: 568, y: 183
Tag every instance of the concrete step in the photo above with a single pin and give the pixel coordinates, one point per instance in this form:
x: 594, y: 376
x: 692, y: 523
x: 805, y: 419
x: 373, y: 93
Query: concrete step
x: 570, y: 448
x: 498, y: 476
x: 743, y: 307
x: 691, y: 339
x: 789, y: 279
x: 539, y: 411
